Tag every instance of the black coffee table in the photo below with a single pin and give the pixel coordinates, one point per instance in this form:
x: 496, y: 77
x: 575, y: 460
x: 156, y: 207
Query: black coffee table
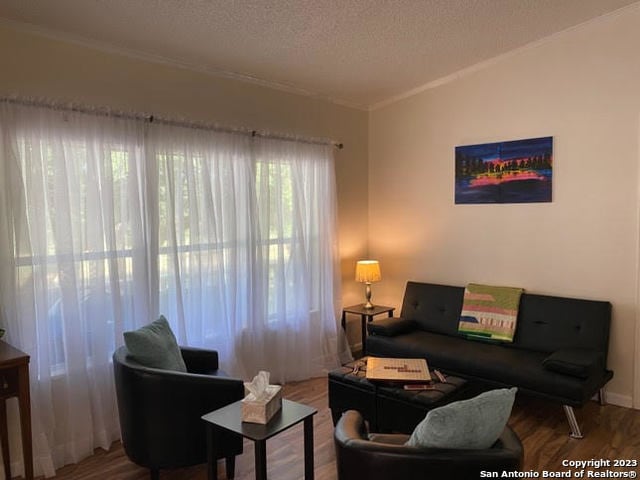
x: 229, y: 418
x: 387, y: 406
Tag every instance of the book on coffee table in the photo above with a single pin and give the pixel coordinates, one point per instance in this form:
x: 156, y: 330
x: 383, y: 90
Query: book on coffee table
x: 404, y: 370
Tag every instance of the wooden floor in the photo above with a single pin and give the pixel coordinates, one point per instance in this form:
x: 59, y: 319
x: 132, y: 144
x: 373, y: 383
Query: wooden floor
x: 610, y: 433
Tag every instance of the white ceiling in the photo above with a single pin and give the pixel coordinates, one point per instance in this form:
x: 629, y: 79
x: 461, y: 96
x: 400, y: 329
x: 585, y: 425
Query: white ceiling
x: 356, y: 52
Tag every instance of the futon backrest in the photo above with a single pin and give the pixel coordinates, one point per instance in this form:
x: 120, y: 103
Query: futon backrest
x: 545, y: 323
x: 435, y: 308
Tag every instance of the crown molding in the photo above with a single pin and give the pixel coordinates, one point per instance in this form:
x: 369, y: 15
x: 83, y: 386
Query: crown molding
x: 172, y: 62
x: 290, y: 88
x: 465, y: 72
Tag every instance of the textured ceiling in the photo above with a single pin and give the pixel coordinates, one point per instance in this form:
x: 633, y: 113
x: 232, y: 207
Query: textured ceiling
x: 357, y: 52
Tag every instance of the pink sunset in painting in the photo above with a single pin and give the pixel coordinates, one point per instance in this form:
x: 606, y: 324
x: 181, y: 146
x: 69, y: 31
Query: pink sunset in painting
x: 517, y: 171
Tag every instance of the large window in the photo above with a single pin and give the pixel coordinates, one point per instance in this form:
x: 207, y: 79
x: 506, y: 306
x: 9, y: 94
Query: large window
x: 111, y: 222
x: 70, y: 245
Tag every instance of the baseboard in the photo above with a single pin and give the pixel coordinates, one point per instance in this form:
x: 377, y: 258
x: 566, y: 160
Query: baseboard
x: 619, y: 400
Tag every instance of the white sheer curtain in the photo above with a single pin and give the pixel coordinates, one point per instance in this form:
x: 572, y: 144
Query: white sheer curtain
x: 105, y: 223
x: 247, y: 249
x: 75, y: 264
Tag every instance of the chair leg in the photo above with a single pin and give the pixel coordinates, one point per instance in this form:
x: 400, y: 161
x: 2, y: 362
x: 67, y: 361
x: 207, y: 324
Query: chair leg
x: 230, y: 465
x: 573, y: 423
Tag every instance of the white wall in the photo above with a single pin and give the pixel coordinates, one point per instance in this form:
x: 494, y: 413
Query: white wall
x: 583, y: 88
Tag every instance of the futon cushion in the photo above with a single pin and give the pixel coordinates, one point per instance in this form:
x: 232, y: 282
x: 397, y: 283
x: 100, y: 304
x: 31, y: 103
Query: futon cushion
x: 500, y: 364
x: 468, y: 424
x: 155, y: 346
x: 577, y: 362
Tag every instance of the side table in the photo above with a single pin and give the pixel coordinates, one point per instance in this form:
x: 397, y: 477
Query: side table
x: 366, y: 315
x: 230, y: 418
x: 14, y: 382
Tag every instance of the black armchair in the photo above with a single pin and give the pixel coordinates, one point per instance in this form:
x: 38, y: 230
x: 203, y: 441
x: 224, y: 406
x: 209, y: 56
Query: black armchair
x: 383, y: 456
x: 160, y: 410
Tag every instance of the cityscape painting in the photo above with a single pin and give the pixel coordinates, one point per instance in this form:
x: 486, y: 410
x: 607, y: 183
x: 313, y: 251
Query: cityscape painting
x: 517, y: 171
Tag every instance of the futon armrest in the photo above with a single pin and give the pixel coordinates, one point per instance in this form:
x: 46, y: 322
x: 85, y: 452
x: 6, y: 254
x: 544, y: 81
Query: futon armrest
x: 577, y: 362
x: 199, y: 360
x: 390, y: 327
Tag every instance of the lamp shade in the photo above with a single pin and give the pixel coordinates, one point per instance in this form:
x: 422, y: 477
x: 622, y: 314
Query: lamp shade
x: 368, y: 271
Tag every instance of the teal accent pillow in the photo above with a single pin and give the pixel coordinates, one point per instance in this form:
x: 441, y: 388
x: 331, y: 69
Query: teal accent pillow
x: 155, y: 346
x: 468, y: 424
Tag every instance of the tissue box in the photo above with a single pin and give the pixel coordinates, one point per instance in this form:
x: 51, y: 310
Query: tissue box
x: 261, y: 411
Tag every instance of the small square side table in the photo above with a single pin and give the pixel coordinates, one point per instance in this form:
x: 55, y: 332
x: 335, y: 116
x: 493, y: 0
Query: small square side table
x: 230, y: 418
x: 366, y: 315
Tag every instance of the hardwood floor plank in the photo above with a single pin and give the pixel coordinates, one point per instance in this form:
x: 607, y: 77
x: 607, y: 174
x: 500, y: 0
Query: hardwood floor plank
x: 611, y: 432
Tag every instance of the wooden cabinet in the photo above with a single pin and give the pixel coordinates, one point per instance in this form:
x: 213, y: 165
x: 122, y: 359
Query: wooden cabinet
x: 14, y: 382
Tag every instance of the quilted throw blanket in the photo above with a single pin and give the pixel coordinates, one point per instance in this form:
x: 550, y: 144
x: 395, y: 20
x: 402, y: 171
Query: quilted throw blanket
x: 490, y: 312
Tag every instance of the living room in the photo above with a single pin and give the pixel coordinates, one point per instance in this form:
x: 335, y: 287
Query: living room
x: 394, y: 176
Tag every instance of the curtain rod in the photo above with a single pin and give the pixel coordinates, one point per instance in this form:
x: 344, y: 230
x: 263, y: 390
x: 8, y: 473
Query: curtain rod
x: 174, y: 122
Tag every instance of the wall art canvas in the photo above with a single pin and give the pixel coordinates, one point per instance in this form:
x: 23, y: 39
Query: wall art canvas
x: 518, y: 171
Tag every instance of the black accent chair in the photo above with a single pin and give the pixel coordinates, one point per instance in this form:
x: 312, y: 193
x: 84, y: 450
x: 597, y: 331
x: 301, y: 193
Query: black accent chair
x: 384, y: 456
x: 161, y: 410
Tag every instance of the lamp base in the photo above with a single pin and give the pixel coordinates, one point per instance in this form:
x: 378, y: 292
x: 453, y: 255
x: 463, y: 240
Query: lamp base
x: 367, y: 294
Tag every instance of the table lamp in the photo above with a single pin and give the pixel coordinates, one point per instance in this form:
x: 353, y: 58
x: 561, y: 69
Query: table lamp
x: 367, y: 272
